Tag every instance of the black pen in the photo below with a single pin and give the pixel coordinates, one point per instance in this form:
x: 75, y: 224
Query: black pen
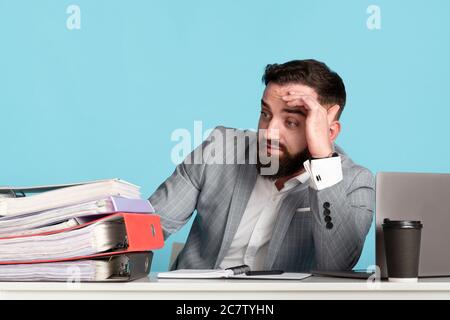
x: 263, y: 273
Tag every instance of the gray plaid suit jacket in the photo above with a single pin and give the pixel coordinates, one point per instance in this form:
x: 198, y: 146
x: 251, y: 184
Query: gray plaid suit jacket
x: 300, y: 241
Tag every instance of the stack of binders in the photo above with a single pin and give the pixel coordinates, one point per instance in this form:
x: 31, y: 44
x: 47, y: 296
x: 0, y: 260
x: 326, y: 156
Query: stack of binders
x: 92, y: 231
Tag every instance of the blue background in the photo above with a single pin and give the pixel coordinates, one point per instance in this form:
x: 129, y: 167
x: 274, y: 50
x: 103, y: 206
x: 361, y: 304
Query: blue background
x: 102, y: 101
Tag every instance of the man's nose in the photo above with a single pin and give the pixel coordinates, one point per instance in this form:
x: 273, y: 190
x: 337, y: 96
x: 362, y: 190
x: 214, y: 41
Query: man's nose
x: 272, y: 131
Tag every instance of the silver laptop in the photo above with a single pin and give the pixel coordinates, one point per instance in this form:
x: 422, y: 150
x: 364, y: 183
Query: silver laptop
x: 417, y: 196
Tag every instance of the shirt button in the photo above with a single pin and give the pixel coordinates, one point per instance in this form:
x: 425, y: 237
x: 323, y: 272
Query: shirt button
x: 326, y: 205
x: 329, y: 225
x: 327, y: 219
x: 326, y: 212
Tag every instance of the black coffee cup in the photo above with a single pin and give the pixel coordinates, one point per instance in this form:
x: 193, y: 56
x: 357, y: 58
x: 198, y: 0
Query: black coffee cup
x: 402, y: 247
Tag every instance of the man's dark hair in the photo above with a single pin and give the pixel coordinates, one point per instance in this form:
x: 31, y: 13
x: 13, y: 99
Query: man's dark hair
x: 312, y: 73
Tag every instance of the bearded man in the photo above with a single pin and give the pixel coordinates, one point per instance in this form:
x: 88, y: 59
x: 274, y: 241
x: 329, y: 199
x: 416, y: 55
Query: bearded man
x: 302, y: 204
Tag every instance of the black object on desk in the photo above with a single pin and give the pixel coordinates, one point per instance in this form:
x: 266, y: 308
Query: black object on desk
x: 353, y: 274
x: 263, y: 273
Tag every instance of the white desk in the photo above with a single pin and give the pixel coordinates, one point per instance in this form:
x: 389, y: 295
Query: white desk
x: 152, y: 288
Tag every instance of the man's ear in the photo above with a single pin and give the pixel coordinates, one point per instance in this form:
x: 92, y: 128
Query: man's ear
x: 335, y: 128
x: 333, y: 122
x: 332, y: 113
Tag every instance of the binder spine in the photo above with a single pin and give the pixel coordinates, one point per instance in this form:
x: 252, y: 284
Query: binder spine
x: 131, y: 205
x: 144, y: 233
x: 132, y: 266
x: 11, y: 193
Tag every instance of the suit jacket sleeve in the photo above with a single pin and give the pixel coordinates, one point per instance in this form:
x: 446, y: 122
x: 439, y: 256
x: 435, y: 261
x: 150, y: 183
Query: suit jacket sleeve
x: 338, y: 243
x: 175, y: 199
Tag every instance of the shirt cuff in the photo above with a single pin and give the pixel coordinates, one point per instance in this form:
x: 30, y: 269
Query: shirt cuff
x: 324, y: 173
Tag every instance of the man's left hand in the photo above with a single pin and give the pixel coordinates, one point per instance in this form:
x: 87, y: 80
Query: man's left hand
x: 318, y: 121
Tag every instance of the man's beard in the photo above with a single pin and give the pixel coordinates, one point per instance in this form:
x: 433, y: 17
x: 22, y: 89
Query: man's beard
x: 288, y: 163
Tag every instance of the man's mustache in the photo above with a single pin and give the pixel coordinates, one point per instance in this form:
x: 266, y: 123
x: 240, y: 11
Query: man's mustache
x: 273, y: 144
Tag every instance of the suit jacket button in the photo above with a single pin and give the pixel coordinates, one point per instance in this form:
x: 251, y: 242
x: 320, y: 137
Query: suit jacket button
x: 327, y: 219
x: 329, y: 225
x: 326, y: 212
x: 326, y: 205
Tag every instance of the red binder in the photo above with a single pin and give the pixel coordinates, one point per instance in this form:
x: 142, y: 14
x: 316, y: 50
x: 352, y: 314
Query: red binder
x: 143, y: 231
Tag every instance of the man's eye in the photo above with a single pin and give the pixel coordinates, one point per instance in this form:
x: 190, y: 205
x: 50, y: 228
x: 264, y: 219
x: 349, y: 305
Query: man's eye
x: 292, y: 124
x: 264, y: 114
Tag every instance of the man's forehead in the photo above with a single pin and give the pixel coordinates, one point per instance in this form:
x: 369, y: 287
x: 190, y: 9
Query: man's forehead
x: 277, y: 91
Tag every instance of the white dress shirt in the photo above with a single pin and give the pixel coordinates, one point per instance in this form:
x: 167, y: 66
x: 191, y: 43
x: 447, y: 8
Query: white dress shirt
x: 252, y: 238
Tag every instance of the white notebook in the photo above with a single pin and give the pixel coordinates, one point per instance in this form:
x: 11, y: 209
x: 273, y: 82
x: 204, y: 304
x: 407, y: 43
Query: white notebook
x: 238, y: 272
x: 63, y: 195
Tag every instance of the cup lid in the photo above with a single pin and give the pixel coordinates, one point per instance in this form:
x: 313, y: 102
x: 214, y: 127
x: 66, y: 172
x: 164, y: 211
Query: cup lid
x: 404, y: 224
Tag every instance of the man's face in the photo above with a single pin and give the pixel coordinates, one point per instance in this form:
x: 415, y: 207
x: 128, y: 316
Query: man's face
x: 284, y: 126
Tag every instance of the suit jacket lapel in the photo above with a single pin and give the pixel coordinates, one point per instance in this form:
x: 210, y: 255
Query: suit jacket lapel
x: 246, y: 179
x: 288, y: 208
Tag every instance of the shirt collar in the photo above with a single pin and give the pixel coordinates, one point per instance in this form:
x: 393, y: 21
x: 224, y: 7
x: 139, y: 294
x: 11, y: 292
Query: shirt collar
x: 299, y: 179
x: 303, y: 177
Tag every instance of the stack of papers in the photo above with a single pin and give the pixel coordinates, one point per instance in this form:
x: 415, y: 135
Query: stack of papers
x: 124, y: 267
x: 84, y: 270
x: 43, y: 228
x: 64, y: 195
x: 59, y: 218
x: 97, y: 237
